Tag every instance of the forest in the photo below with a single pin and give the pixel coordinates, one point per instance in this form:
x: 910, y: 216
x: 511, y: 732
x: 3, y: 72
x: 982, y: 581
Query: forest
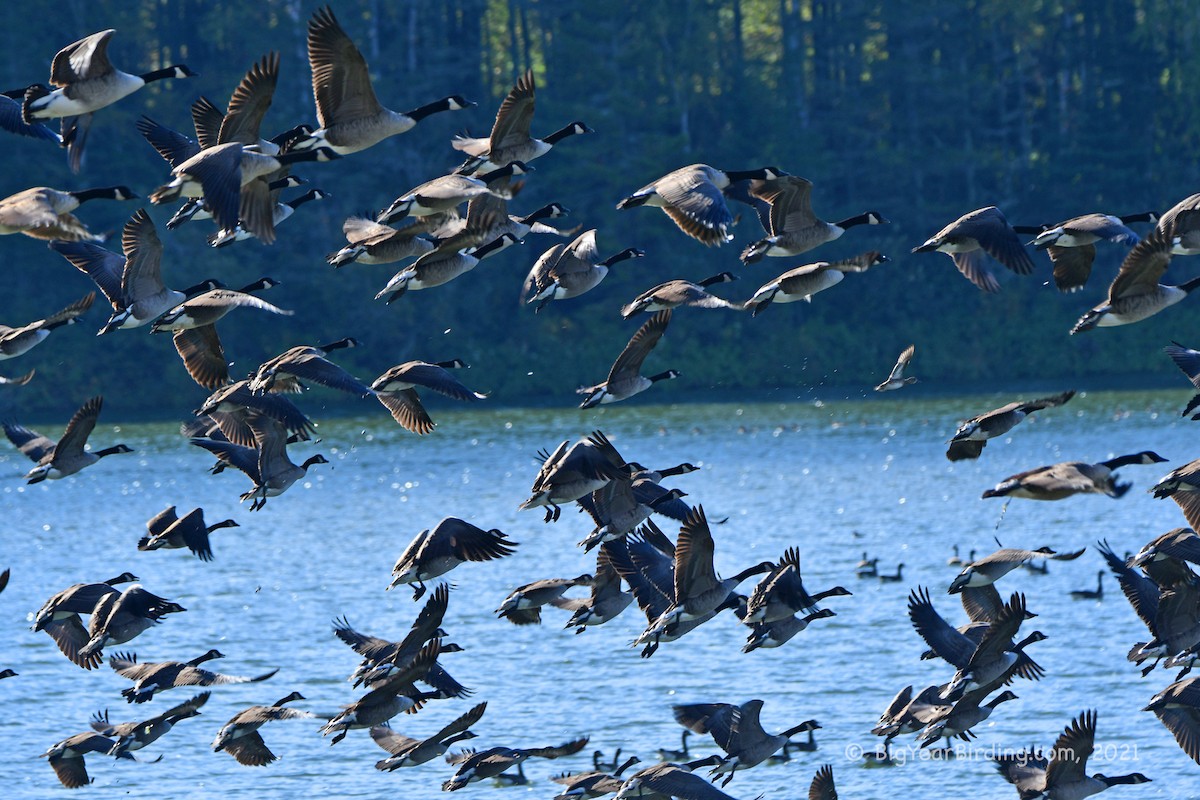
x: 920, y: 111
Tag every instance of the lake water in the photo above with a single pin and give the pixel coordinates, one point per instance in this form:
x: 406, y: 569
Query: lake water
x: 832, y: 479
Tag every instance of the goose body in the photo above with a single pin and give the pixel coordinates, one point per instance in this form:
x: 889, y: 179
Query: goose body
x: 407, y: 752
x: 167, y: 530
x: 969, y: 237
x: 1058, y: 481
x: 675, y: 293
x: 971, y: 437
x: 625, y: 378
x: 397, y: 388
x: 803, y: 282
x: 67, y: 456
x: 18, y: 341
x: 240, y: 737
x: 150, y: 678
x: 563, y: 272
x: 1071, y: 245
x: 45, y: 213
x: 450, y: 543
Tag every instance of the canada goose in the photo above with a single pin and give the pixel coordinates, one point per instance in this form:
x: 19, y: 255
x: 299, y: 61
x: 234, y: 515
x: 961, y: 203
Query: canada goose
x: 1057, y: 481
x: 267, y: 463
x: 625, y: 378
x: 680, y: 292
x: 1188, y: 361
x: 523, y: 606
x: 867, y: 567
x: 900, y: 715
x: 693, y: 198
x: 600, y: 765
x: 1182, y: 544
x: 477, y: 766
x: 801, y: 283
x: 956, y: 560
x: 448, y: 544
x: 970, y: 236
x: 995, y: 566
x: 447, y: 192
x: 136, y: 735
x: 1091, y: 594
x: 209, y: 307
x: 566, y: 271
x: 622, y: 504
x: 667, y: 780
x: 287, y: 371
x: 778, y: 632
x: 18, y: 341
x: 1183, y: 486
x: 892, y: 578
x: 682, y: 754
x: 955, y: 645
x: 368, y: 242
x: 59, y: 616
x: 605, y: 779
x: 231, y: 406
x: 737, y: 731
x: 409, y: 752
x: 896, y: 379
x: 67, y: 456
x: 67, y: 757
x: 956, y: 720
x: 569, y: 473
x: 605, y: 602
x: 44, y: 213
x: 1135, y: 293
x: 1071, y: 245
x: 240, y: 737
x: 121, y: 616
x: 149, y: 678
x: 396, y: 389
x: 781, y: 592
x: 1063, y: 775
x: 792, y: 227
x: 87, y: 82
x: 280, y: 211
x: 1178, y: 708
x: 495, y: 206
x: 168, y: 530
x: 450, y: 259
x: 971, y: 437
x: 996, y: 657
x: 394, y: 695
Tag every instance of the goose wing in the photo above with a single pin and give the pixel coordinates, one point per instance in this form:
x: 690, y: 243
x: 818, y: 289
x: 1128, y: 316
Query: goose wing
x: 81, y: 60
x: 629, y: 362
x: 79, y: 429
x: 340, y: 78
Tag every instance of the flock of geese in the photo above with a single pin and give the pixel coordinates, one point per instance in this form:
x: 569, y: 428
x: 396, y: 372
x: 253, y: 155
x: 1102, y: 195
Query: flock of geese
x: 230, y: 174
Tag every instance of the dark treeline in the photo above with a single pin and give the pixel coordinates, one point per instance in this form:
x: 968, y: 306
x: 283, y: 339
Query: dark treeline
x: 919, y: 110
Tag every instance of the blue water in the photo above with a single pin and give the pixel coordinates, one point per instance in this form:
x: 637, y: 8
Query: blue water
x: 832, y: 479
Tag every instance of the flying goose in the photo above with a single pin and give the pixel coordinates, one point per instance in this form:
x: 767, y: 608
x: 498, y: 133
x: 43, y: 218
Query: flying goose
x: 67, y: 456
x: 737, y: 731
x: 995, y: 566
x: 121, y: 616
x: 208, y: 308
x: 450, y: 259
x: 368, y: 242
x: 436, y: 551
x: 394, y: 695
x: 267, y: 463
x: 349, y: 116
x: 167, y: 530
x: 574, y: 470
x: 896, y: 379
x: 625, y: 378
x: 1071, y: 245
x: 149, y: 678
x: 67, y: 757
x: 408, y: 752
x: 597, y: 783
x: 230, y: 407
x: 801, y: 283
x: 1188, y: 361
x: 136, y: 735
x: 396, y: 389
x: 287, y: 371
x: 518, y: 226
x: 1135, y: 293
x: 59, y: 616
x: 523, y: 606
x: 607, y: 600
x: 18, y: 341
x: 280, y: 211
x: 778, y: 632
x: 679, y: 292
x: 447, y: 192
x: 672, y: 780
x: 44, y: 213
x: 957, y: 719
x: 240, y: 737
x: 781, y: 593
x: 624, y: 503
x: 1182, y: 485
x: 490, y: 763
x: 1178, y: 708
x: 510, y: 139
x: 965, y: 240
x: 693, y: 198
x: 1057, y: 481
x: 792, y: 227
x: 11, y: 121
x: 566, y: 271
x: 1063, y: 774
x: 996, y: 658
x: 971, y: 437
x: 87, y: 82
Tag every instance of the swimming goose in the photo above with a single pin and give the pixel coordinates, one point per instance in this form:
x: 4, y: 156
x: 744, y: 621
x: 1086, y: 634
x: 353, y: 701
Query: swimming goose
x: 597, y: 783
x: 67, y: 456
x: 287, y: 371
x: 349, y: 116
x: 450, y: 259
x: 121, y: 616
x: 682, y: 754
x: 605, y: 602
x: 574, y: 470
x: 44, y: 213
x: 1188, y: 361
x: 396, y: 389
x: 447, y: 192
x: 679, y: 292
x: 1135, y: 293
x: 477, y: 766
x: 566, y: 271
x: 1057, y: 481
x: 136, y: 735
x: 1178, y: 708
x: 995, y: 566
x: 894, y: 577
x: 448, y: 544
x: 59, y: 616
x: 971, y: 437
x: 792, y: 227
x: 625, y: 378
x: 1091, y: 594
x: 801, y: 283
x: 368, y: 242
x: 1071, y: 245
x: 209, y: 307
x: 1063, y: 775
x: 607, y: 766
x: 240, y: 737
x: 523, y: 606
x: 970, y: 236
x: 737, y: 731
x: 167, y: 530
x: 267, y: 463
x: 87, y: 82
x: 867, y: 567
x: 666, y: 780
x: 394, y: 695
x: 149, y: 678
x: 956, y: 560
x: 409, y: 752
x: 18, y: 341
x: 693, y: 198
x: 781, y: 593
x: 896, y: 379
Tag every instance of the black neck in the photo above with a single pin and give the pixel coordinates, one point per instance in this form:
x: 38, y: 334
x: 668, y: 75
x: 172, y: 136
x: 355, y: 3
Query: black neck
x: 724, y: 277
x: 108, y: 451
x: 174, y: 71
x: 1190, y: 285
x: 545, y: 212
x: 560, y: 134
x: 627, y: 253
x: 107, y: 193
x: 861, y: 219
x: 421, y: 112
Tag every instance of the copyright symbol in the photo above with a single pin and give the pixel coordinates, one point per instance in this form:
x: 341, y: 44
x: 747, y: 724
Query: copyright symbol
x: 854, y: 752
